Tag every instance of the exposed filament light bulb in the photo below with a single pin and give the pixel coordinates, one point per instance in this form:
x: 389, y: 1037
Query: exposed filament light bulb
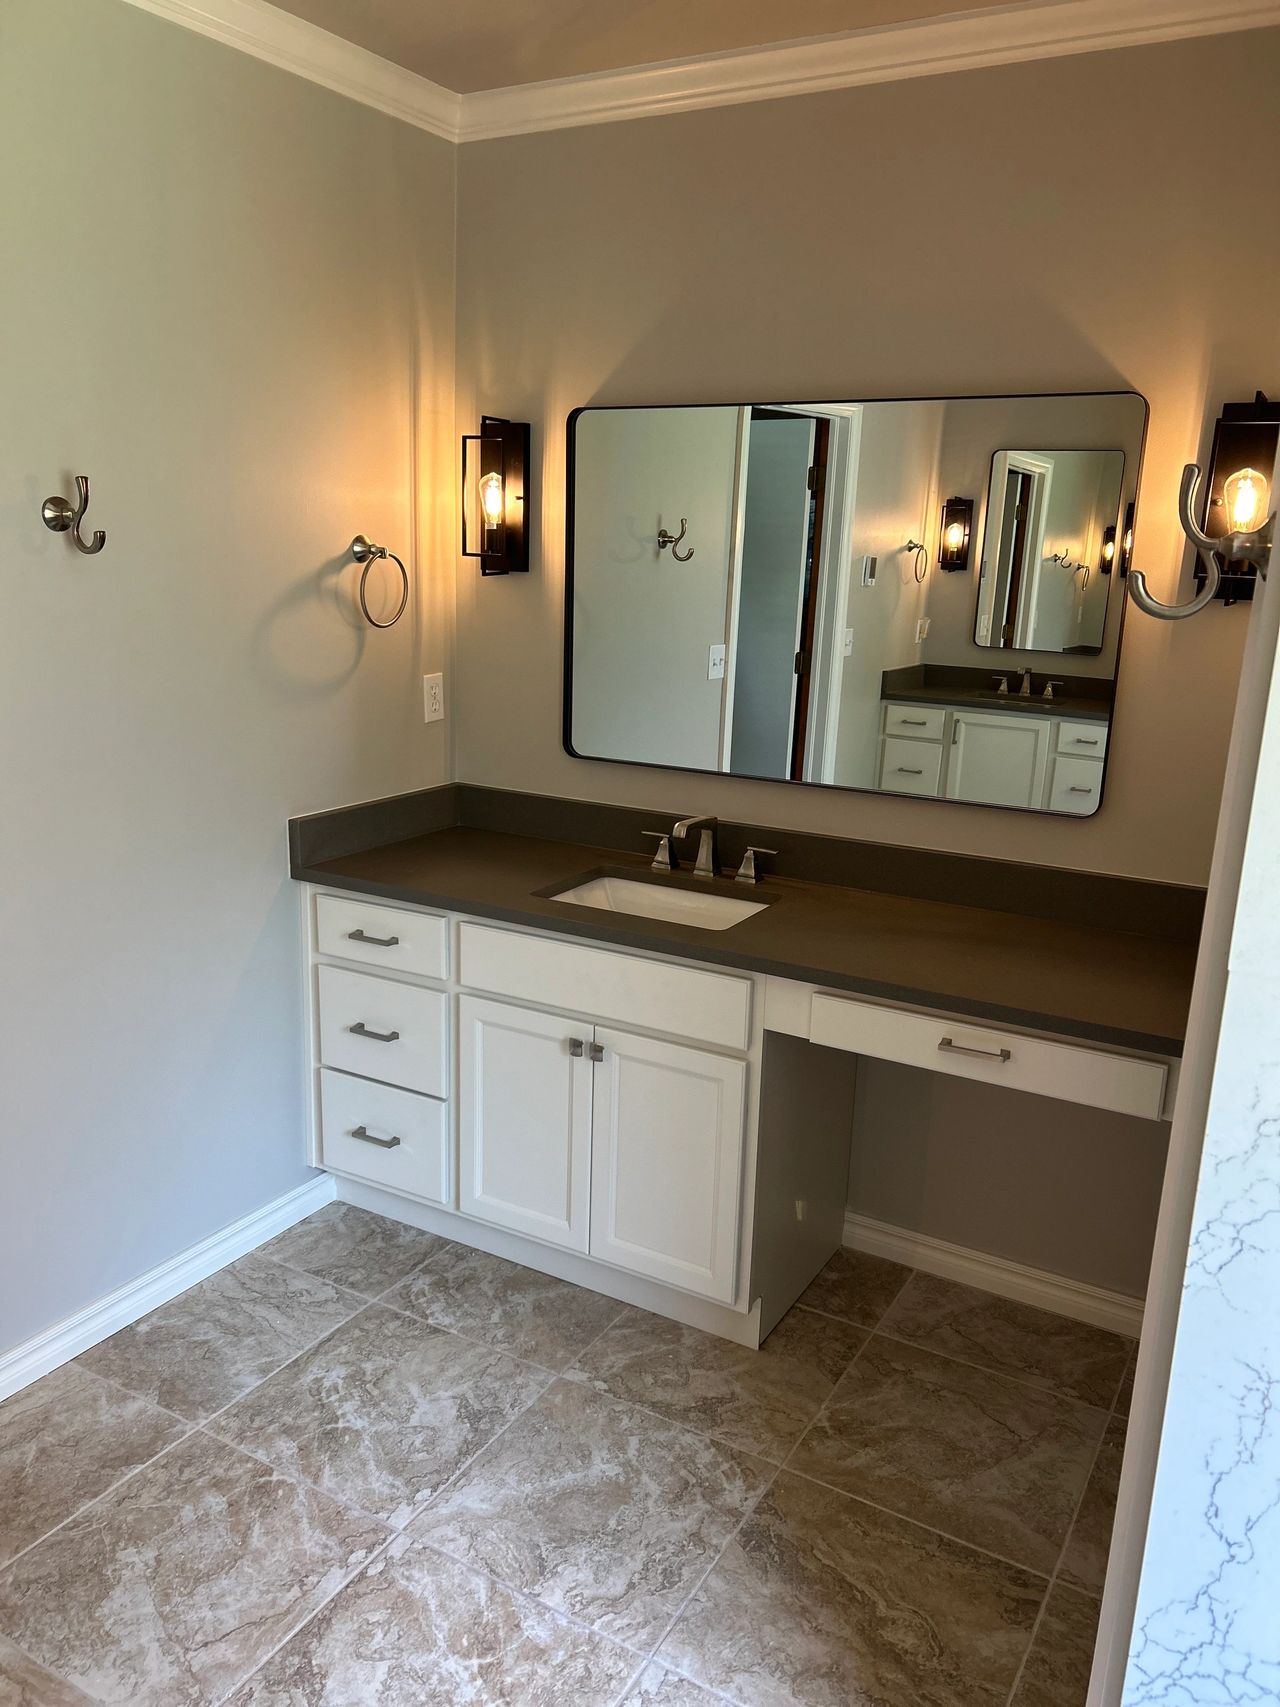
x: 491, y: 499
x: 1246, y: 495
x: 954, y: 536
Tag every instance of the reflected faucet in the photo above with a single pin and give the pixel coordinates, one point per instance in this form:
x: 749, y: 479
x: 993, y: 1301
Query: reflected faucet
x: 707, y: 863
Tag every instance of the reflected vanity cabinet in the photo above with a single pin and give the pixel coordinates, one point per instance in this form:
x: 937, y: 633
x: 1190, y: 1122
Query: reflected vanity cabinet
x: 597, y: 1102
x: 1018, y: 758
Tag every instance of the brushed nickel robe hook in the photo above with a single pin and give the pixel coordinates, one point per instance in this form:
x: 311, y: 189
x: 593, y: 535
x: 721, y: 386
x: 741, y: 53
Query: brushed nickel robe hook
x: 666, y: 539
x: 60, y: 516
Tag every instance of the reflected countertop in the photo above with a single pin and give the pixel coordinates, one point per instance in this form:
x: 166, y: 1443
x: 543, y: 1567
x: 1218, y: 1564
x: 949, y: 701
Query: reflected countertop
x: 1078, y: 980
x: 1034, y: 705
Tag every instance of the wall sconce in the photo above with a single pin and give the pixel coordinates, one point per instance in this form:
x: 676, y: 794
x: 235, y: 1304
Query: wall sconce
x: 1237, y: 503
x: 1106, y: 560
x: 495, y: 462
x: 1126, y: 540
x: 957, y: 526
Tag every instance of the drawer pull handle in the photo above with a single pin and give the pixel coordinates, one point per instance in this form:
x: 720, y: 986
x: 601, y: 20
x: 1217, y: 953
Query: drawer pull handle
x: 367, y: 1137
x: 906, y: 770
x: 1084, y: 740
x: 576, y: 1047
x: 953, y: 1048
x: 596, y: 1051
x: 373, y: 941
x: 360, y: 1029
x: 914, y: 722
x: 1079, y: 788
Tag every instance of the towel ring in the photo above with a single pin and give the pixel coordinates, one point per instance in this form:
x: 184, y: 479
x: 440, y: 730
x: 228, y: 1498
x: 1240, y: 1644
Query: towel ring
x: 366, y: 552
x: 920, y: 567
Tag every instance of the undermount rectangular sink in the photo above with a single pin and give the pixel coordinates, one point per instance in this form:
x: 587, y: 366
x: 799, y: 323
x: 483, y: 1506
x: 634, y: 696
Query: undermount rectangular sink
x: 655, y: 901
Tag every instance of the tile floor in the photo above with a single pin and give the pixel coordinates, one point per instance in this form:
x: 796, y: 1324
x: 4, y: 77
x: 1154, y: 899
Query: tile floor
x: 365, y: 1467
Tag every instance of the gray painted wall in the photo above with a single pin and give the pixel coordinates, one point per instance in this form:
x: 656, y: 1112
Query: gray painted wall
x: 193, y: 332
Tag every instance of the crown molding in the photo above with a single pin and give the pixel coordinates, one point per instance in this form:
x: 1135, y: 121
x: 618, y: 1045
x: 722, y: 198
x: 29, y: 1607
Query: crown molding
x: 927, y: 47
x: 257, y: 28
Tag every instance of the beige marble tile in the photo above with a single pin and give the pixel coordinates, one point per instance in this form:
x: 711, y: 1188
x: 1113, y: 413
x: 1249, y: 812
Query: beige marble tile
x: 822, y: 1600
x: 382, y: 1412
x: 1014, y: 1339
x: 600, y: 1510
x: 1056, y: 1673
x: 418, y: 1630
x: 757, y: 1400
x: 517, y: 1309
x: 856, y: 1286
x: 988, y: 1460
x: 63, y: 1441
x: 354, y: 1248
x: 23, y: 1683
x: 1084, y: 1563
x: 204, y: 1348
x: 179, y: 1582
x: 659, y: 1687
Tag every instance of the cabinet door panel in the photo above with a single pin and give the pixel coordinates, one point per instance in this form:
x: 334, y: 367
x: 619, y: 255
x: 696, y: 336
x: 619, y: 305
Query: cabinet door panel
x: 667, y: 1141
x: 997, y: 759
x: 524, y: 1121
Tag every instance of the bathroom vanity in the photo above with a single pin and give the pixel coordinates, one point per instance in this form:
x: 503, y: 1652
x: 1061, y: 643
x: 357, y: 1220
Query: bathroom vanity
x: 660, y: 1107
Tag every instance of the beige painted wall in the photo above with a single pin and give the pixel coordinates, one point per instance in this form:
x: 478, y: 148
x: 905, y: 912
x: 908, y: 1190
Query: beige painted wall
x: 227, y: 298
x: 1008, y: 229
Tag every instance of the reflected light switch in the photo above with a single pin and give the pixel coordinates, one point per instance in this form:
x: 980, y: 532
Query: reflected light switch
x: 869, y: 566
x: 715, y: 664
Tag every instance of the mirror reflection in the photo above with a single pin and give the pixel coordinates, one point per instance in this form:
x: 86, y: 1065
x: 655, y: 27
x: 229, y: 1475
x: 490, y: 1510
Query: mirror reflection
x: 914, y: 597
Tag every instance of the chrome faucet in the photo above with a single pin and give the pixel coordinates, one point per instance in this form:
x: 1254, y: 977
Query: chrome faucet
x: 707, y: 863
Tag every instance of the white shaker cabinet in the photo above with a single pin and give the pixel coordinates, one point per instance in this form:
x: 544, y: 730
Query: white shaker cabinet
x: 667, y: 1142
x: 524, y: 1120
x: 996, y: 759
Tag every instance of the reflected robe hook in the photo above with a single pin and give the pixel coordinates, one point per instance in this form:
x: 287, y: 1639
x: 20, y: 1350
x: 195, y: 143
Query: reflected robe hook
x: 59, y: 516
x: 666, y: 539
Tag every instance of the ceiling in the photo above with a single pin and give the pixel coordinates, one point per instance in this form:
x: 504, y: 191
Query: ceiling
x: 467, y: 45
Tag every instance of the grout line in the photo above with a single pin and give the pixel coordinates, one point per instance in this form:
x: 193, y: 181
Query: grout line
x: 1019, y: 1380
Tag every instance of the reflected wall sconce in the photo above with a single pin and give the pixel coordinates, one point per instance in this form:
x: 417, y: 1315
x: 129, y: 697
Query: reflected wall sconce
x: 957, y: 529
x: 1107, y: 556
x: 1235, y: 502
x: 495, y: 464
x: 1126, y: 540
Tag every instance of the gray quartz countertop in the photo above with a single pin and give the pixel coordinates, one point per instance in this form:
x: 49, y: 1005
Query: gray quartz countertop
x: 1034, y: 705
x: 1103, y: 985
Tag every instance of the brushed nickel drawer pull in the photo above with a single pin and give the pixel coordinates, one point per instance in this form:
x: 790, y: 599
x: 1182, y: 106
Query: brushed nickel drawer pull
x: 1084, y: 740
x: 373, y: 941
x: 1079, y: 788
x: 906, y: 770
x: 596, y: 1051
x: 576, y: 1047
x: 914, y: 722
x: 954, y: 1048
x: 360, y: 1029
x: 367, y: 1137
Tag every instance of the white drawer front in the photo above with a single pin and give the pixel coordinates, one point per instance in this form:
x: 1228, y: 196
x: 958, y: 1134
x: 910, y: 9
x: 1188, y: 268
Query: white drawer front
x: 384, y: 1030
x: 392, y: 1137
x: 1119, y: 1082
x: 711, y: 1007
x: 1075, y: 785
x: 1082, y: 740
x: 920, y: 722
x: 910, y: 767
x: 389, y: 937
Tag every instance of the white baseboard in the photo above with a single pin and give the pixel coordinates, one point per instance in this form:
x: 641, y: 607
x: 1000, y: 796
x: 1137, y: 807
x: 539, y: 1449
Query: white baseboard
x: 67, y: 1339
x: 1113, y: 1310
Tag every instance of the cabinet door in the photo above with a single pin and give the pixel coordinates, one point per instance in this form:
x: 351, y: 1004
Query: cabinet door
x: 666, y: 1179
x: 996, y: 758
x: 524, y: 1120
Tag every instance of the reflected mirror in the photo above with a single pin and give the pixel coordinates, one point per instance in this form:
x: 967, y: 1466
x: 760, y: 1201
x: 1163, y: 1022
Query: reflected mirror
x: 917, y: 597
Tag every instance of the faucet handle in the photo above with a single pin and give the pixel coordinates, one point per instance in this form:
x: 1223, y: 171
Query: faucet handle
x: 1050, y: 685
x: 1002, y: 683
x: 664, y: 858
x: 747, y: 872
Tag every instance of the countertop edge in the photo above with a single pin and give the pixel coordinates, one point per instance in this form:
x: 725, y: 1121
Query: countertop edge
x: 713, y: 954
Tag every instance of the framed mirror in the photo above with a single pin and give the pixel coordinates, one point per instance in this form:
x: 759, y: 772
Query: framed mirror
x: 912, y: 596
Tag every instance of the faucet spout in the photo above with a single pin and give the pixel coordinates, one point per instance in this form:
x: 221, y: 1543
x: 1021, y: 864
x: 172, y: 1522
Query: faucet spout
x: 707, y: 864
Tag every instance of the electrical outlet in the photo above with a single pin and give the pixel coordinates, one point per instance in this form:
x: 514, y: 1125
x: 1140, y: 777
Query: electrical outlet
x: 847, y: 645
x: 715, y: 664
x: 432, y: 698
x: 869, y: 567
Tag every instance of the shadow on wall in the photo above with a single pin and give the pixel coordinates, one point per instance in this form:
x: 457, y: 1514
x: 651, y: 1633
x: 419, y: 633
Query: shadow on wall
x: 294, y: 643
